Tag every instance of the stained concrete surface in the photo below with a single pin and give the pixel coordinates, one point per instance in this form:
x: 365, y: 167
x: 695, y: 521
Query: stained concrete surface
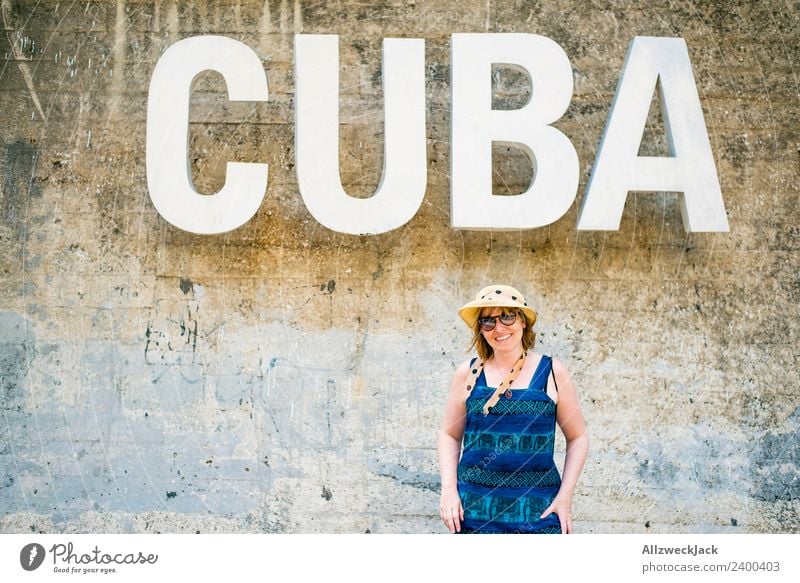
x: 285, y: 378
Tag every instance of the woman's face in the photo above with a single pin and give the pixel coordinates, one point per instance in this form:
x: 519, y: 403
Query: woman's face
x: 504, y: 338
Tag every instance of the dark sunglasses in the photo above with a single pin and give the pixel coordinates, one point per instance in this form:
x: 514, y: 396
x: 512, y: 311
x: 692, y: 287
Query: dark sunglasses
x: 489, y: 322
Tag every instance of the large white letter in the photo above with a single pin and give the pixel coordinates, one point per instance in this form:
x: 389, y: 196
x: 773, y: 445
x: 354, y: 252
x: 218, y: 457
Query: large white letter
x: 690, y: 169
x: 169, y: 176
x: 475, y: 125
x: 404, y: 178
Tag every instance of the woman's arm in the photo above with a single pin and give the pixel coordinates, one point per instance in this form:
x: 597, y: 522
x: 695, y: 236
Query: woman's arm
x: 450, y: 435
x: 570, y: 420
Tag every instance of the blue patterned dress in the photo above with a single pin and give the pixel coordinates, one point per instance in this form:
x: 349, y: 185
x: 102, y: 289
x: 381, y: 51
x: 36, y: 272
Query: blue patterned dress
x: 506, y: 475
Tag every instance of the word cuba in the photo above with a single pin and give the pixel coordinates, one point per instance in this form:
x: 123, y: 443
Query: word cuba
x: 652, y: 63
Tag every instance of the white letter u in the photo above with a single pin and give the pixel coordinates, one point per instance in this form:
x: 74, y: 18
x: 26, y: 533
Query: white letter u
x: 404, y: 177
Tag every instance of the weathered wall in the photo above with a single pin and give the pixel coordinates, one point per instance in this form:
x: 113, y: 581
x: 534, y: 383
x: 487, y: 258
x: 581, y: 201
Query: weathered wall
x: 286, y: 378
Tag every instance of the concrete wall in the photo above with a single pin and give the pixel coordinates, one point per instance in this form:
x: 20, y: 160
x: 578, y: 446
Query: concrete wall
x: 286, y: 378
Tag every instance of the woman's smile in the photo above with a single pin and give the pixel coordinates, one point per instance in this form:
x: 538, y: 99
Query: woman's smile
x: 503, y: 337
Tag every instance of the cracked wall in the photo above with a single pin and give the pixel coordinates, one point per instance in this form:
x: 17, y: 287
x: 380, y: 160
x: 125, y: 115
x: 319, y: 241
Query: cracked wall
x: 286, y: 378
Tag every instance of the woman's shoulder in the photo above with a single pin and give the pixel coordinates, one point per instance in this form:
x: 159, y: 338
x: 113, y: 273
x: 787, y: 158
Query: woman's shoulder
x: 467, y: 367
x: 560, y: 371
x: 460, y: 376
x: 464, y: 367
x: 536, y: 356
x: 556, y: 364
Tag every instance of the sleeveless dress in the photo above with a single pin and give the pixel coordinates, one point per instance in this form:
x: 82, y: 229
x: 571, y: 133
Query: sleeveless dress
x: 506, y: 475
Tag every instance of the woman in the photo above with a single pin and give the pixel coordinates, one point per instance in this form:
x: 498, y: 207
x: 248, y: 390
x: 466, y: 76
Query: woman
x: 504, y: 405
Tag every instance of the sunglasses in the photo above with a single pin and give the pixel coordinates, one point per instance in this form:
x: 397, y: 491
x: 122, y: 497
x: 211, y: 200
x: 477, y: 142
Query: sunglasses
x: 489, y: 322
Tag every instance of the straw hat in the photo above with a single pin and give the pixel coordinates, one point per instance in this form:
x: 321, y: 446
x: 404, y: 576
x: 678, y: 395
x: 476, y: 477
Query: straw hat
x: 501, y: 296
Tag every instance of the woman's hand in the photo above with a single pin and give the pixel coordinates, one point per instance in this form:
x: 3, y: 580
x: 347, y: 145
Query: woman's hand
x: 562, y: 506
x: 450, y: 509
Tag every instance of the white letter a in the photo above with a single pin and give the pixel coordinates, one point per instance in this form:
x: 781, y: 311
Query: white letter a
x: 619, y: 169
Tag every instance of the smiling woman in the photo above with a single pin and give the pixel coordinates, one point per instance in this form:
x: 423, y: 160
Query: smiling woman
x: 496, y: 441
